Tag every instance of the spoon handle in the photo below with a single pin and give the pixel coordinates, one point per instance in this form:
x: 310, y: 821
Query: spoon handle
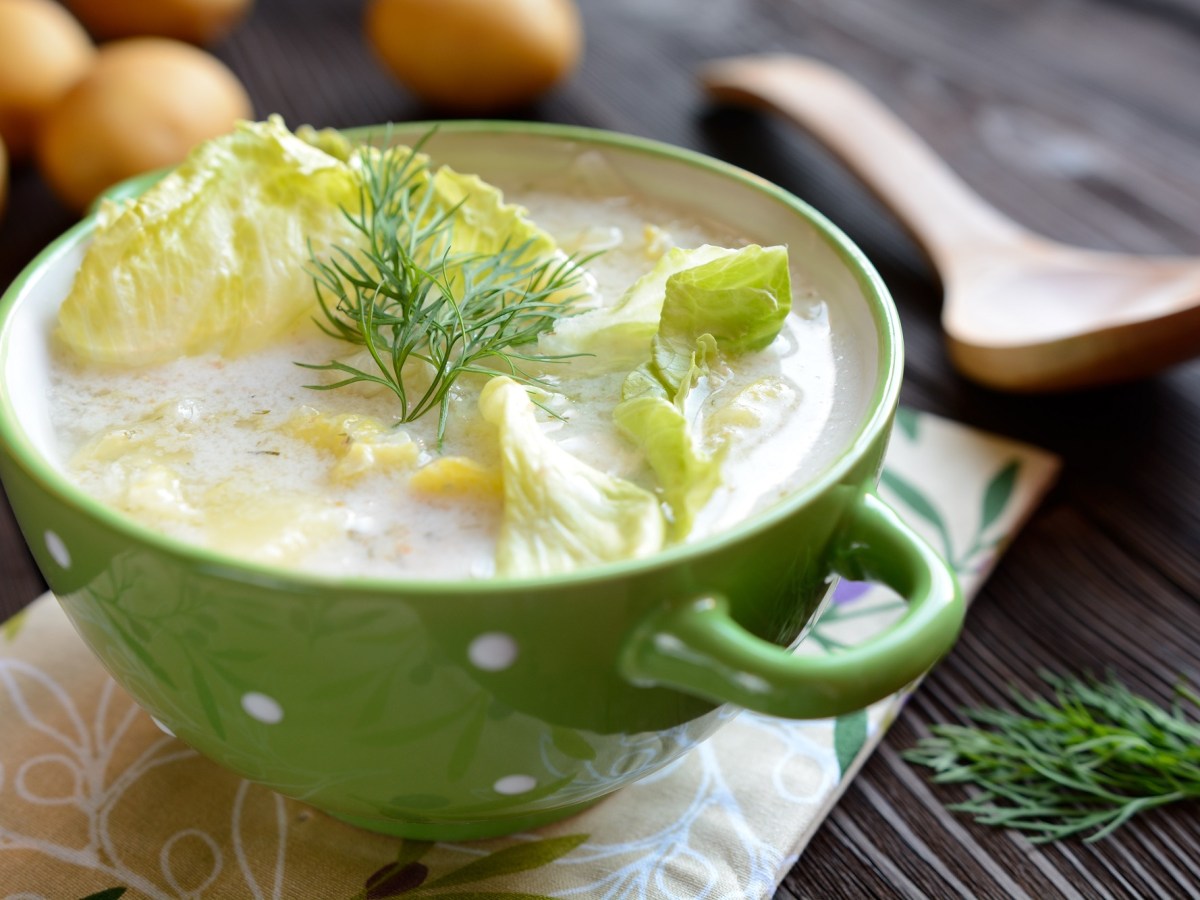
x: 938, y: 208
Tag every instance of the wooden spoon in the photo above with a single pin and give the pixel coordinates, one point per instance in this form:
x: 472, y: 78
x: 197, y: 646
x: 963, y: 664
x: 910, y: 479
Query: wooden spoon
x: 1021, y: 312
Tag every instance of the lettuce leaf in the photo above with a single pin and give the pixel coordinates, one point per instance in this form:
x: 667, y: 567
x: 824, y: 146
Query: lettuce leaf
x: 212, y: 257
x: 656, y: 420
x: 485, y: 226
x: 483, y: 222
x: 560, y: 514
x: 617, y: 338
x: 215, y: 256
x: 720, y: 309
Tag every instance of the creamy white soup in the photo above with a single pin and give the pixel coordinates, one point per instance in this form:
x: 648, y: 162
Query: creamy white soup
x: 237, y: 454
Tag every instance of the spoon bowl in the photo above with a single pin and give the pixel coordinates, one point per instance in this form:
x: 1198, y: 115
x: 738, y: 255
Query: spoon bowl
x: 1021, y: 312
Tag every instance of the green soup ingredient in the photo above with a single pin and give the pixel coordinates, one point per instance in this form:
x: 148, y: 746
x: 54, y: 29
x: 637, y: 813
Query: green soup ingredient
x: 212, y: 257
x: 711, y: 312
x: 451, y: 280
x: 615, y: 338
x: 560, y: 514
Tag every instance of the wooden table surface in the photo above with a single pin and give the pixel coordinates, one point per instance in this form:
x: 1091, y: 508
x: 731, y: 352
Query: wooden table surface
x: 1079, y: 118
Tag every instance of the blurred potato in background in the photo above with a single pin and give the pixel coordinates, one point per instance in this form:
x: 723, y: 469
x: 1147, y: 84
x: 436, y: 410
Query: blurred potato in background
x: 476, y: 55
x: 43, y: 52
x: 195, y: 21
x: 143, y: 105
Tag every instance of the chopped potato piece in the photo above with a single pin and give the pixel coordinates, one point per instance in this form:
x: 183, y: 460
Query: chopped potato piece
x: 157, y: 493
x: 457, y: 475
x: 271, y: 528
x: 361, y: 444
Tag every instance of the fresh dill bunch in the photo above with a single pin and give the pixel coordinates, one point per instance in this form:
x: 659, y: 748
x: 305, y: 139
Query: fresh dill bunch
x: 406, y: 295
x: 1087, y: 760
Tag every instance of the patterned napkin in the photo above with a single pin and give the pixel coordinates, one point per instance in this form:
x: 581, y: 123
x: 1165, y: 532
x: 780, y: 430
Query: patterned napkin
x: 96, y: 802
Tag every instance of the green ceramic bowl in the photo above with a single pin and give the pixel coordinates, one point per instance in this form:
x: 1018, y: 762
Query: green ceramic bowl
x: 453, y: 710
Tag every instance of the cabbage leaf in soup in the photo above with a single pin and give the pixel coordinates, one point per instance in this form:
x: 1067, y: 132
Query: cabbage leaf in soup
x: 616, y: 338
x: 213, y: 256
x: 711, y: 313
x: 560, y: 514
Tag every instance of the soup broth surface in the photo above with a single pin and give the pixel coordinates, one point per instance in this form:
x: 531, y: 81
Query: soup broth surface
x: 239, y: 455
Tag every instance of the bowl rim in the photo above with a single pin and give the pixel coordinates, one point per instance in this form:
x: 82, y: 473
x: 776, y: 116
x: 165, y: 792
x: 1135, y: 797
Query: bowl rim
x: 881, y: 406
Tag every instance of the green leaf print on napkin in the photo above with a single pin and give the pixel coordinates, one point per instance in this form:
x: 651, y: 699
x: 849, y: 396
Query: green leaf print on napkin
x: 915, y: 499
x: 996, y: 498
x: 849, y: 735
x: 406, y: 876
x: 398, y: 877
x: 998, y: 493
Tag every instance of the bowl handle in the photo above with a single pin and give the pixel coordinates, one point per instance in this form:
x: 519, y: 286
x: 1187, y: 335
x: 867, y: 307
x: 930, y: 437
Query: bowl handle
x: 697, y: 647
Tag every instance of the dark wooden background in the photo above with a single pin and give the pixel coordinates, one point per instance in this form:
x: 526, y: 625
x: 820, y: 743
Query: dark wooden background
x: 1079, y: 118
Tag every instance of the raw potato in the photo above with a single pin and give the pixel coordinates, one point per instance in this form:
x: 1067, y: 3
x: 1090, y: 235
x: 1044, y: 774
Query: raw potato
x: 145, y: 104
x: 43, y: 51
x: 476, y: 55
x: 198, y: 21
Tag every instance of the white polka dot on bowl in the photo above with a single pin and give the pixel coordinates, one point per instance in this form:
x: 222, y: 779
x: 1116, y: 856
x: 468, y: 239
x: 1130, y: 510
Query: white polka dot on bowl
x: 493, y: 651
x: 57, y: 549
x: 515, y: 784
x: 263, y: 708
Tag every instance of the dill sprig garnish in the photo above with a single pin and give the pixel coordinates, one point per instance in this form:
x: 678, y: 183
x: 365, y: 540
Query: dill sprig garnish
x: 406, y: 295
x: 1088, y: 760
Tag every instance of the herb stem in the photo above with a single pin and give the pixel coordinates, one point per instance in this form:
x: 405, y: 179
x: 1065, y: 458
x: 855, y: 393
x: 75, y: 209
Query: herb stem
x: 1089, y: 760
x: 406, y: 296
